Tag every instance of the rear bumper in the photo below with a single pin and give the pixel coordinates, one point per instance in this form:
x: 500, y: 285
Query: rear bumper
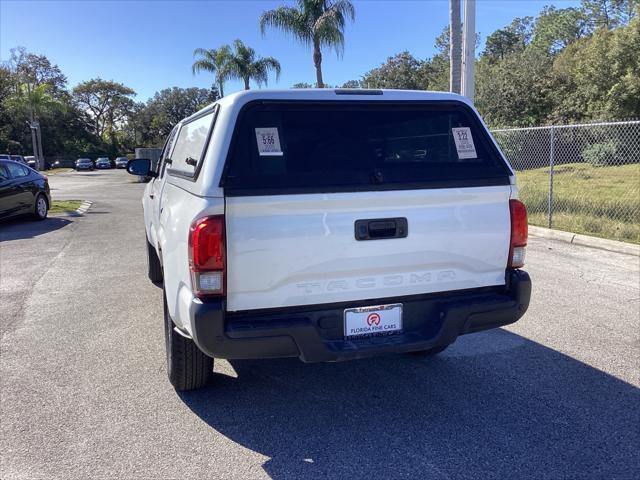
x: 315, y: 333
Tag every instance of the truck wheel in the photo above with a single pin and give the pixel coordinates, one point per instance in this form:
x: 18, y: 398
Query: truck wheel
x: 154, y: 269
x: 187, y: 367
x: 429, y: 352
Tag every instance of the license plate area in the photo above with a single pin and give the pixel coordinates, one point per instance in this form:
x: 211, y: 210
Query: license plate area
x: 373, y: 321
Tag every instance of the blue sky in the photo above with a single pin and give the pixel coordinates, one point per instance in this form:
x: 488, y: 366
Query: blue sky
x: 148, y: 45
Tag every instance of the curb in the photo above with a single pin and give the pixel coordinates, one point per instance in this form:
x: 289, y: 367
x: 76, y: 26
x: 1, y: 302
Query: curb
x: 84, y: 206
x: 79, y: 212
x: 585, y: 240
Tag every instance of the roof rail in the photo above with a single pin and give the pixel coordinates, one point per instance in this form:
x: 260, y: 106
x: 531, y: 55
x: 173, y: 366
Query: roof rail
x: 357, y: 91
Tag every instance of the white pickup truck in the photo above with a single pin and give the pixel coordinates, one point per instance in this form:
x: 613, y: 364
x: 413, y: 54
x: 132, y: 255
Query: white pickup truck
x: 331, y: 225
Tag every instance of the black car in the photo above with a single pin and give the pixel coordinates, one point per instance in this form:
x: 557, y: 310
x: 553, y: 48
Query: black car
x: 23, y: 191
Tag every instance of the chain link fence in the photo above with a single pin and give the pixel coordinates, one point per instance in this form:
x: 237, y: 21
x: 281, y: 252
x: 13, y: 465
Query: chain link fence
x: 579, y: 178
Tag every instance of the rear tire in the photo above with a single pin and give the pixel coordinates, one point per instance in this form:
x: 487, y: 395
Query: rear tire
x: 154, y: 268
x: 429, y: 352
x: 187, y: 367
x: 40, y: 207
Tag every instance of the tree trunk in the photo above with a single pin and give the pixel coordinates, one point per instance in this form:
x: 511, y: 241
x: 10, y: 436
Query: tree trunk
x: 221, y: 88
x: 246, y: 83
x: 455, y: 47
x: 317, y: 61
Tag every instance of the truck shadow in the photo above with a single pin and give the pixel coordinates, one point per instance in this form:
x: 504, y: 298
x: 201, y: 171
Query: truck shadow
x: 494, y: 405
x: 24, y: 227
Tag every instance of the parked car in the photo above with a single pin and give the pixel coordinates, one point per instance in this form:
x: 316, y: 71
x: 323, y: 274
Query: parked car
x: 18, y: 158
x: 23, y: 191
x: 331, y: 225
x: 103, y: 163
x: 5, y: 156
x: 31, y: 162
x: 121, y: 162
x: 63, y: 163
x: 84, y: 164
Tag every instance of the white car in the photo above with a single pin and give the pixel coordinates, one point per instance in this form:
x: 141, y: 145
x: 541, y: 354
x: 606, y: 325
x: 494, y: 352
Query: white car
x: 331, y: 225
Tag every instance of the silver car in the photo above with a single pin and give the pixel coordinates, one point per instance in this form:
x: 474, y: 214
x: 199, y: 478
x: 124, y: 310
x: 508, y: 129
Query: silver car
x: 84, y: 164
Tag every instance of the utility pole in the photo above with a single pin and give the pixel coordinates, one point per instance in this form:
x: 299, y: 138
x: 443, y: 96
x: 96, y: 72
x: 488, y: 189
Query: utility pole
x: 455, y: 46
x: 36, y: 141
x: 40, y: 152
x: 469, y: 48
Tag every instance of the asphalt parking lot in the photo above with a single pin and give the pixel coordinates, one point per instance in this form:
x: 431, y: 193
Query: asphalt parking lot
x: 84, y: 392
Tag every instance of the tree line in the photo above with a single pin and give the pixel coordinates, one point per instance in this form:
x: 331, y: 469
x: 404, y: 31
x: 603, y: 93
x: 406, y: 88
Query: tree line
x: 565, y: 65
x: 96, y: 117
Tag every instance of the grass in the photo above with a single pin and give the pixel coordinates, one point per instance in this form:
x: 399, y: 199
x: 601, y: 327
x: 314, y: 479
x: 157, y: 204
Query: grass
x: 64, y: 206
x: 599, y: 201
x: 55, y: 171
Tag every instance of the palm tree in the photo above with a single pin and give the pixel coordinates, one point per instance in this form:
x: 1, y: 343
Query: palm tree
x: 244, y: 64
x: 214, y: 60
x: 35, y: 101
x: 316, y: 23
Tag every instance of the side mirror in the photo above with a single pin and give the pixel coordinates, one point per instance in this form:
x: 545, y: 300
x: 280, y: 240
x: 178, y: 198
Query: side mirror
x: 140, y: 167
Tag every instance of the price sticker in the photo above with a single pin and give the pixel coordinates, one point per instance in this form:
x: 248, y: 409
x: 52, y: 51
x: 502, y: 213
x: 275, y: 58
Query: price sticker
x: 268, y: 142
x: 464, y: 143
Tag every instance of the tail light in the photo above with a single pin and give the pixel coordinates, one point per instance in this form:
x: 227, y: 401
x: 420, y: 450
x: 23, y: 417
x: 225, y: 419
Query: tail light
x: 519, y: 234
x: 207, y: 256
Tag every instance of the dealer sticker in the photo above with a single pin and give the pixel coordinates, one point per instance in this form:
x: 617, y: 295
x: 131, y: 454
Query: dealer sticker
x: 464, y: 142
x: 268, y: 142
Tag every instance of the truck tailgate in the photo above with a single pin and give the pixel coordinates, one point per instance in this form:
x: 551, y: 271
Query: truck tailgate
x: 302, y: 249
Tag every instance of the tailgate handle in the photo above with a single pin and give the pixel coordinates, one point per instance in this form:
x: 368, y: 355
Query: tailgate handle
x: 378, y: 228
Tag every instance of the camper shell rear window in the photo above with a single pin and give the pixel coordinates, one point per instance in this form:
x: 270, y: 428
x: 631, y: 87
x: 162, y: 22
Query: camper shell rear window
x: 281, y: 147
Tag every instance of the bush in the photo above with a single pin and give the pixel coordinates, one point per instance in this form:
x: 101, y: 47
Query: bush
x: 602, y: 154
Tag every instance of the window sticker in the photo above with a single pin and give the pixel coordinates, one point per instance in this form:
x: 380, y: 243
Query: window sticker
x: 464, y: 143
x: 268, y: 142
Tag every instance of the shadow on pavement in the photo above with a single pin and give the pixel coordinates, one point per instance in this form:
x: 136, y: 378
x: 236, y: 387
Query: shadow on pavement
x: 23, y: 228
x: 494, y: 405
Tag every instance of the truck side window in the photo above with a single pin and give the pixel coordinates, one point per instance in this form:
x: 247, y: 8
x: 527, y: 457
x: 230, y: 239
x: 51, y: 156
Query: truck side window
x: 191, y: 142
x: 166, y: 151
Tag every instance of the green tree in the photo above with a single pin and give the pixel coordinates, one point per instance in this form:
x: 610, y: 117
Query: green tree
x: 402, y: 71
x: 244, y: 64
x: 302, y: 85
x: 150, y: 123
x: 36, y: 70
x: 108, y: 103
x: 516, y: 90
x: 35, y: 103
x: 609, y: 13
x: 513, y: 38
x: 442, y: 41
x: 34, y: 100
x: 599, y: 77
x: 316, y: 23
x: 352, y: 84
x: 214, y: 60
x: 556, y: 28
